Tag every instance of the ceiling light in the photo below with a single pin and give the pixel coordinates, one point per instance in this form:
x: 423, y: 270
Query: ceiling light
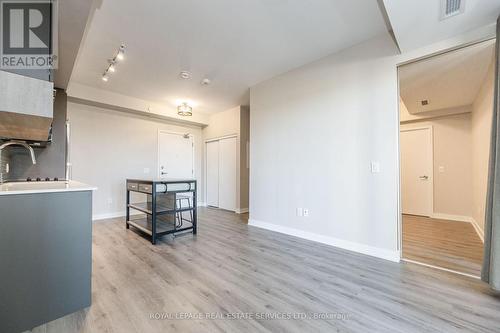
x: 185, y: 75
x: 184, y: 110
x: 121, y: 53
x: 205, y: 82
x: 112, y: 63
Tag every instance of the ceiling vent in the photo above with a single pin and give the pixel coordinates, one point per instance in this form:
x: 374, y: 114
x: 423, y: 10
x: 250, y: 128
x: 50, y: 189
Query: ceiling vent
x: 451, y: 8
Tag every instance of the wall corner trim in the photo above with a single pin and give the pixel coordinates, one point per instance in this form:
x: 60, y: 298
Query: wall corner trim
x: 241, y: 210
x: 479, y: 230
x: 340, y: 243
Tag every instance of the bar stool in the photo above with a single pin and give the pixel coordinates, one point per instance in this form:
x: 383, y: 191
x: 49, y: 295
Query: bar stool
x: 180, y: 218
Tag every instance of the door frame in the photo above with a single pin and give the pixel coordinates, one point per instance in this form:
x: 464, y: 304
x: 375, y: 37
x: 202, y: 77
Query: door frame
x: 427, y: 55
x: 191, y: 137
x: 431, y: 150
x: 205, y: 165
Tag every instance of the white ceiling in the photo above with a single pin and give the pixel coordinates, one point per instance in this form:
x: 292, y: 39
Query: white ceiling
x: 234, y: 43
x: 73, y: 17
x: 449, y: 80
x: 417, y: 23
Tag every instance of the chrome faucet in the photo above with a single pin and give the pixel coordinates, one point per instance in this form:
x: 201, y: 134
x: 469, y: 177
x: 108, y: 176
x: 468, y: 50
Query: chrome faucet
x: 17, y: 143
x: 23, y: 144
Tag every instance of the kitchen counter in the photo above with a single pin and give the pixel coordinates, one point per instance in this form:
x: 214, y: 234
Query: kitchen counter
x: 43, y: 187
x: 45, y: 252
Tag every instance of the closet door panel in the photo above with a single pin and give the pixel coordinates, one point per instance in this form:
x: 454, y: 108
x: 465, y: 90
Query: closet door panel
x: 213, y: 173
x: 227, y: 174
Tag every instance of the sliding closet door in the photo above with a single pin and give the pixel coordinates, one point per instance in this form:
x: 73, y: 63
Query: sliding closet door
x: 227, y: 174
x: 213, y: 173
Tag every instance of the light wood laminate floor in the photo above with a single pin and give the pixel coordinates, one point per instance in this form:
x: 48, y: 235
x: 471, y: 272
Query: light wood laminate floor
x: 448, y: 244
x: 230, y: 267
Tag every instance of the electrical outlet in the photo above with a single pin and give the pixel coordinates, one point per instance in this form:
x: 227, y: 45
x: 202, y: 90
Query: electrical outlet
x: 300, y: 212
x: 305, y: 211
x: 110, y: 201
x: 441, y: 169
x: 146, y: 170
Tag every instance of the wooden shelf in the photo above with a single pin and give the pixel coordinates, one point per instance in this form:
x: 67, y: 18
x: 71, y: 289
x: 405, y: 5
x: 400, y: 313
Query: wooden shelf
x: 162, y: 227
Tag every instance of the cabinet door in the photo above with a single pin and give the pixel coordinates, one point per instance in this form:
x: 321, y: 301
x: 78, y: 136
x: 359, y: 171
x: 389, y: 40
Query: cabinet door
x: 213, y: 173
x: 227, y: 174
x: 25, y: 95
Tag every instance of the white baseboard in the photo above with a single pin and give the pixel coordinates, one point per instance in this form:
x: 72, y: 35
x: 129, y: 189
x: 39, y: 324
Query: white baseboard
x: 479, y: 230
x: 201, y: 204
x: 449, y: 217
x: 343, y: 244
x: 241, y: 210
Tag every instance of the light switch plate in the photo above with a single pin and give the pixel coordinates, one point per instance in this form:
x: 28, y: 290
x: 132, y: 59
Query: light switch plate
x: 375, y: 167
x: 300, y: 212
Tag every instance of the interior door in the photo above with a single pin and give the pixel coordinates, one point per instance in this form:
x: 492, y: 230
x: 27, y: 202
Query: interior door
x: 416, y: 171
x: 227, y: 174
x: 175, y: 155
x: 213, y: 173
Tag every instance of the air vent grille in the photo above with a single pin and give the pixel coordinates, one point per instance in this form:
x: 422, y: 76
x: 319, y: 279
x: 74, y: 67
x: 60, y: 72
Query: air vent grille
x: 451, y: 8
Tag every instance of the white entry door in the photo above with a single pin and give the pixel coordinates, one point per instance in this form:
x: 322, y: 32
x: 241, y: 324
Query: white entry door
x: 175, y: 155
x: 213, y: 173
x: 227, y: 174
x: 416, y: 171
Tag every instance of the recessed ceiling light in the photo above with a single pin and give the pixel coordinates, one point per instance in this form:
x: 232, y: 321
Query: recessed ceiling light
x: 105, y: 78
x: 205, y: 82
x: 185, y: 75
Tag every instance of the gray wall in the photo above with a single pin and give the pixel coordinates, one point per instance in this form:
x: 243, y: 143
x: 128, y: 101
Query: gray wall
x: 51, y: 159
x: 314, y: 132
x: 109, y: 146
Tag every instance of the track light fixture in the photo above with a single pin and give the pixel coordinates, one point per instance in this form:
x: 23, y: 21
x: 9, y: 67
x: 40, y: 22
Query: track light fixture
x: 120, y: 55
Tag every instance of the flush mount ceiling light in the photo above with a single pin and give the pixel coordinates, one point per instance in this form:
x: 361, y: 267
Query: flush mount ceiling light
x: 120, y: 55
x: 184, y: 109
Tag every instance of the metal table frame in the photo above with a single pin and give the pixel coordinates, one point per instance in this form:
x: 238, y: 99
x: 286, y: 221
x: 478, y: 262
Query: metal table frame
x: 142, y: 186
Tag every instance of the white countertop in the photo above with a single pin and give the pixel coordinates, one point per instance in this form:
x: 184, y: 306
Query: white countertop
x: 43, y: 187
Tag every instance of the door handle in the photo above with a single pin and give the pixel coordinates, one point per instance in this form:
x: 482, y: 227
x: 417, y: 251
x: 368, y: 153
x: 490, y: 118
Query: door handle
x: 424, y: 177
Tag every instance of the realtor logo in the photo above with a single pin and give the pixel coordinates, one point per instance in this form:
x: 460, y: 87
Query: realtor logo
x: 27, y: 34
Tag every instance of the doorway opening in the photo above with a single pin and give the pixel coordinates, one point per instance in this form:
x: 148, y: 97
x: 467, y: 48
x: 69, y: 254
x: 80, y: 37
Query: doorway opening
x: 446, y: 106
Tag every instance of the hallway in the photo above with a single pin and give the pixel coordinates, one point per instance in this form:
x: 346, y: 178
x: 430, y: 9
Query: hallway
x: 447, y: 244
